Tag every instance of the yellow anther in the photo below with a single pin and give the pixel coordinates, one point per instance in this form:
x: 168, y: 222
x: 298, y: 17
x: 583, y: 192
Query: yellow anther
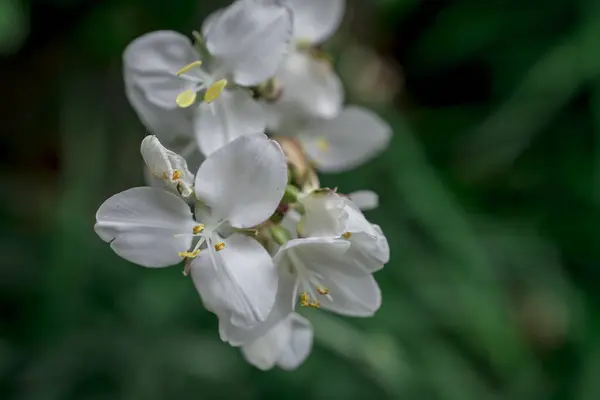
x: 322, y: 290
x: 322, y: 144
x: 219, y: 246
x: 186, y: 99
x: 198, y: 229
x: 347, y: 235
x: 215, y: 90
x: 189, y: 254
x: 304, y: 299
x: 177, y: 175
x: 189, y: 67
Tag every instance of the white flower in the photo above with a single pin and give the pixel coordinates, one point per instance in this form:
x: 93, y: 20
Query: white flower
x: 308, y: 85
x: 320, y: 273
x: 286, y: 345
x: 328, y: 214
x: 241, y: 185
x: 325, y: 275
x: 246, y: 43
x: 345, y: 142
x: 167, y: 166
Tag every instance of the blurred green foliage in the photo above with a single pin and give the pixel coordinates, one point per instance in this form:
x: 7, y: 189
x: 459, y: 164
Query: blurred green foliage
x: 489, y: 193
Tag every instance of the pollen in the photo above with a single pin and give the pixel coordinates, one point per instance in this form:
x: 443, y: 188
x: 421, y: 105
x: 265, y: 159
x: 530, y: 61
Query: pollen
x: 198, y: 229
x: 177, y: 175
x: 305, y: 301
x: 186, y: 99
x: 322, y: 290
x: 215, y: 90
x: 219, y: 246
x: 189, y: 67
x: 347, y: 235
x: 189, y: 254
x: 323, y: 144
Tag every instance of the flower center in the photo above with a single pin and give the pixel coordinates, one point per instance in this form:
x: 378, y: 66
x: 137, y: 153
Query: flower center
x: 199, y: 80
x: 204, y: 233
x: 308, y: 281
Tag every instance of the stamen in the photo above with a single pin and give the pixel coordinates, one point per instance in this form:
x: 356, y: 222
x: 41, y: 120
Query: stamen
x: 347, y: 235
x: 215, y: 90
x: 177, y: 174
x: 322, y: 290
x: 198, y: 229
x: 189, y: 254
x: 322, y: 144
x: 189, y: 67
x: 305, y: 301
x: 186, y: 99
x: 219, y: 246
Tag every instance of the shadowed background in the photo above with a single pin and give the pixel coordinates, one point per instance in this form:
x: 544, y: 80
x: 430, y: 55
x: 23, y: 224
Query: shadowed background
x: 490, y: 199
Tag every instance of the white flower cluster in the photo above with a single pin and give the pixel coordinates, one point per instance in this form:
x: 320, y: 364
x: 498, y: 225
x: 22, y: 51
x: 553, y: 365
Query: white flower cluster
x: 256, y: 232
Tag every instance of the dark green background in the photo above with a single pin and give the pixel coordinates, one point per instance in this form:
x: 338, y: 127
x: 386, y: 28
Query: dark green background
x: 490, y: 198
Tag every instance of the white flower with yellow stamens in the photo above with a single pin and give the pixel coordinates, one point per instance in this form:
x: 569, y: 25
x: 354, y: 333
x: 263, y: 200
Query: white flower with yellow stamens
x: 239, y: 186
x: 325, y: 276
x: 306, y: 82
x: 327, y: 214
x: 285, y: 345
x: 167, y: 166
x: 245, y: 44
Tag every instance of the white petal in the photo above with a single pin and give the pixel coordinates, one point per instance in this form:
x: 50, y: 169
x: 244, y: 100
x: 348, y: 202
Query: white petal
x: 316, y: 20
x: 151, y: 62
x: 237, y: 336
x: 140, y: 225
x: 264, y: 352
x: 250, y: 38
x: 369, y: 245
x: 243, y: 181
x: 299, y: 344
x: 365, y: 199
x: 352, y: 138
x: 235, y: 113
x: 241, y: 285
x: 167, y: 124
x: 350, y: 295
x: 286, y: 345
x: 309, y: 88
x: 315, y: 253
